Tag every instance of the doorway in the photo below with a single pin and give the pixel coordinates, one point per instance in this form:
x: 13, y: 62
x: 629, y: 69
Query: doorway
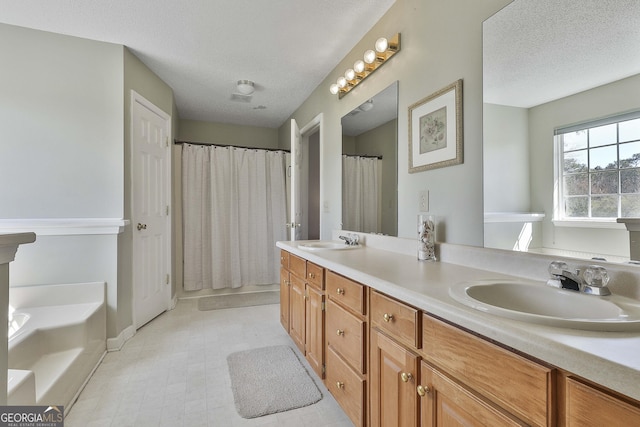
x: 306, y: 180
x: 311, y: 181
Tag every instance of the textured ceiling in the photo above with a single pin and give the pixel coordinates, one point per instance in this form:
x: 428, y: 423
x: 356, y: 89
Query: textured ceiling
x: 202, y: 47
x: 538, y: 51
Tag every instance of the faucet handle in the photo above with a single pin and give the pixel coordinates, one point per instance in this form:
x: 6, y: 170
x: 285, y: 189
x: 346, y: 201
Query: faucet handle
x: 556, y: 268
x: 594, y: 275
x: 596, y: 279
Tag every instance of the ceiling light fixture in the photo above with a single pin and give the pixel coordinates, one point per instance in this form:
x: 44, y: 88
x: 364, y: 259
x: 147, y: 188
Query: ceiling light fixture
x: 362, y: 68
x: 367, y: 106
x: 245, y: 87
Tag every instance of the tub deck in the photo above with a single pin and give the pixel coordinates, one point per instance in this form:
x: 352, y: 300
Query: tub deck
x: 59, y: 344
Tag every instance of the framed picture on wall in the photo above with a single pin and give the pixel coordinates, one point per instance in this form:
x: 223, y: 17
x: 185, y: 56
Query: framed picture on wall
x: 435, y: 130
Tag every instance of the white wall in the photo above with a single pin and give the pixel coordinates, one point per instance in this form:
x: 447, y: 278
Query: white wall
x: 506, y: 159
x: 61, y: 155
x: 61, y: 118
x: 441, y: 43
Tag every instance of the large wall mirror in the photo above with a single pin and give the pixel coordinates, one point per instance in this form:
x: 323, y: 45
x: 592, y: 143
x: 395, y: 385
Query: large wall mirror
x: 550, y: 64
x: 369, y: 165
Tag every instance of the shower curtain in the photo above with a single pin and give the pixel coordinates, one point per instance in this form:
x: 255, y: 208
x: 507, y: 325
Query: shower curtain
x: 234, y: 211
x: 361, y: 194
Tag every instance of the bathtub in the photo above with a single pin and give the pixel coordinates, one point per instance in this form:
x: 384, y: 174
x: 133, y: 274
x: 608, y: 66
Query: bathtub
x: 57, y: 337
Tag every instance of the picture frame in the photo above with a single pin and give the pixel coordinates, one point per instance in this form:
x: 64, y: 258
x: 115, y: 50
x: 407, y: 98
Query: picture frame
x: 435, y: 130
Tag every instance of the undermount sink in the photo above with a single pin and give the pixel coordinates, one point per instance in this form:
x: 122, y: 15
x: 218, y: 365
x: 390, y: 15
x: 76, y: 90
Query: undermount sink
x: 549, y: 306
x: 325, y: 246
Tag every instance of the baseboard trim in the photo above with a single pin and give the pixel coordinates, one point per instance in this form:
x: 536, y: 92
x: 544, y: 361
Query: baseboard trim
x: 115, y: 344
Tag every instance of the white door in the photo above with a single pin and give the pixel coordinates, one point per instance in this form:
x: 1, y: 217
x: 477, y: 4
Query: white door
x: 296, y: 169
x: 151, y: 171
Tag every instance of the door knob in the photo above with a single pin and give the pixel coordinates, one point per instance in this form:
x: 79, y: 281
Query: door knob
x: 422, y: 390
x: 142, y: 226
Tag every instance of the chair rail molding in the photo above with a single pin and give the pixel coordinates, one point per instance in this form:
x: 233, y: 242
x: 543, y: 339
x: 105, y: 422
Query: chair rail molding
x: 64, y: 226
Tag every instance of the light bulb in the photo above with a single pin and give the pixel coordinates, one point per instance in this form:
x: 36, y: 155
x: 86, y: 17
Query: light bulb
x: 369, y: 56
x: 342, y: 82
x: 334, y: 88
x: 350, y: 74
x: 358, y: 67
x: 382, y: 44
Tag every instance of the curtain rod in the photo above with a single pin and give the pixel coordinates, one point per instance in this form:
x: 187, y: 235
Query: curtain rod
x: 175, y: 141
x: 366, y: 156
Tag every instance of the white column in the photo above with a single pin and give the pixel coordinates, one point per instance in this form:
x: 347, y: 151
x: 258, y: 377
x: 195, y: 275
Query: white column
x: 8, y: 246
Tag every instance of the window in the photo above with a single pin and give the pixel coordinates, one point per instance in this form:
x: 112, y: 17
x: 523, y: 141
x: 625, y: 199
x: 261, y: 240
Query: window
x: 599, y: 169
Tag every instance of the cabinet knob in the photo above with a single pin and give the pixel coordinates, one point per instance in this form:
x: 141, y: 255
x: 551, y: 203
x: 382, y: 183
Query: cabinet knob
x: 339, y: 384
x: 339, y: 332
x: 312, y: 275
x: 387, y: 317
x: 422, y: 390
x: 406, y: 376
x: 340, y: 291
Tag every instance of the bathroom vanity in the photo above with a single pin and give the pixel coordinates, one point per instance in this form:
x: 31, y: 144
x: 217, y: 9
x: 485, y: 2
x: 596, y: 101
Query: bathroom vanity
x: 394, y: 348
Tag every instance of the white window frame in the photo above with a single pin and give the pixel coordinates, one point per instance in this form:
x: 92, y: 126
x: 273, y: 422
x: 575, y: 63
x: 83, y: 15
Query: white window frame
x: 559, y: 219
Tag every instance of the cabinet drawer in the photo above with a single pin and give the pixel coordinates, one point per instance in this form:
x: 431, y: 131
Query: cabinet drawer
x: 397, y: 319
x: 297, y: 266
x: 284, y: 259
x: 347, y: 292
x: 519, y: 385
x: 587, y: 406
x: 315, y: 275
x: 347, y: 387
x: 346, y: 335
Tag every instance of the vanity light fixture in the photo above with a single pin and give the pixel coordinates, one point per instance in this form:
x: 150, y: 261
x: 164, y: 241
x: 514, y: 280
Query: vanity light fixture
x: 373, y: 59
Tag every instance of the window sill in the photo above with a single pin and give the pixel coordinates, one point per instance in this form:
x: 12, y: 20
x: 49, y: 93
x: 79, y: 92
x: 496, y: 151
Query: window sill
x: 589, y: 223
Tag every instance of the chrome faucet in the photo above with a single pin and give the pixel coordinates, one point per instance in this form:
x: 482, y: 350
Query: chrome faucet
x: 350, y: 239
x: 593, y: 281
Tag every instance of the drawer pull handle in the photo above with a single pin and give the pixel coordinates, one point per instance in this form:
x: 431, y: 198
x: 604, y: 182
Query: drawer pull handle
x: 339, y: 384
x: 387, y: 317
x: 339, y: 332
x: 340, y: 291
x: 422, y: 390
x: 405, y: 376
x: 312, y: 276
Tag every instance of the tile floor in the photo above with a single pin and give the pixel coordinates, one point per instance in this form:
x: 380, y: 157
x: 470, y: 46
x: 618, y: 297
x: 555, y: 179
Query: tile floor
x: 173, y: 372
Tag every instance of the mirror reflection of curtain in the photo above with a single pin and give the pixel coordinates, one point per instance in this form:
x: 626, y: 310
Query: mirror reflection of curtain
x: 361, y: 193
x: 234, y: 211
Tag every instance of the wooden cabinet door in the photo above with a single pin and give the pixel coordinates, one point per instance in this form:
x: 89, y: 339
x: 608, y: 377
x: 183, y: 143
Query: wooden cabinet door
x: 284, y: 298
x: 589, y: 407
x: 446, y: 403
x: 393, y: 383
x: 297, y: 312
x: 314, y: 329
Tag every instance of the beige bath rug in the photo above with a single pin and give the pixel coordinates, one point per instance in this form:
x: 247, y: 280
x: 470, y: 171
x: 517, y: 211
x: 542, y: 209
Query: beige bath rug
x: 269, y: 380
x: 247, y: 299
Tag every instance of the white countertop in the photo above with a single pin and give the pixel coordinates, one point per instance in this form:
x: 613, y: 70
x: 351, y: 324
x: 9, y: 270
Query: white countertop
x: 611, y: 359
